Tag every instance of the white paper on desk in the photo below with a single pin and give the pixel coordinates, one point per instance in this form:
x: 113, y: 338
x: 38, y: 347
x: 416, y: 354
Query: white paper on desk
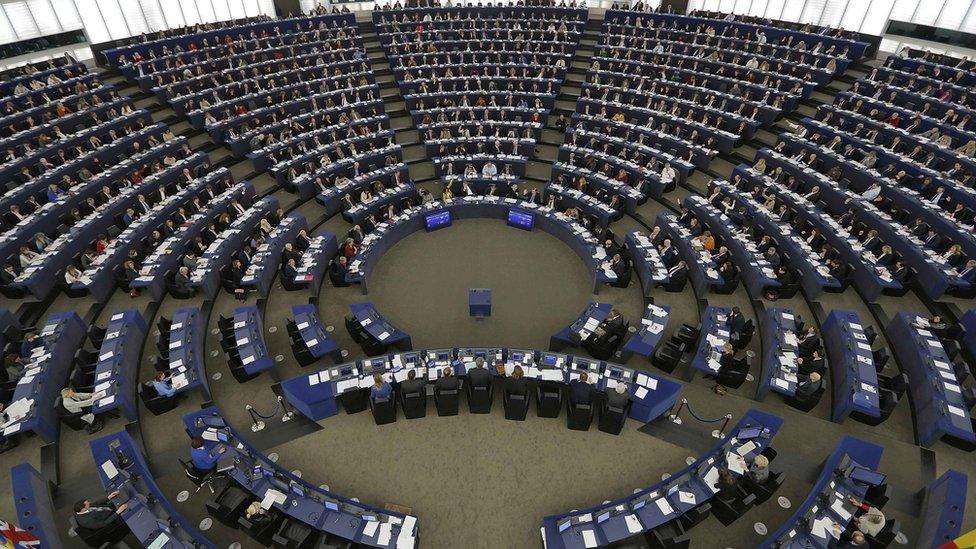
x: 270, y: 497
x: 687, y: 497
x: 781, y: 383
x: 642, y: 379
x: 386, y: 532
x: 238, y: 325
x: 243, y: 341
x: 589, y: 538
x: 552, y: 374
x: 103, y: 376
x: 838, y: 507
x: 956, y: 410
x: 633, y: 524
x: 746, y: 448
x: 106, y: 356
x: 180, y: 381
x: 175, y: 344
x: 107, y: 400
x: 313, y: 380
x: 864, y: 346
x: 102, y: 387
x: 370, y: 528
x: 109, y: 469
x: 302, y: 326
x: 952, y: 387
x: 641, y: 392
x: 664, y: 506
x: 383, y: 336
x: 408, y: 523
x: 175, y: 326
x: 176, y: 363
x: 247, y: 360
x: 312, y: 343
x: 711, y: 479
x: 117, y: 316
x: 161, y: 540
x: 714, y: 365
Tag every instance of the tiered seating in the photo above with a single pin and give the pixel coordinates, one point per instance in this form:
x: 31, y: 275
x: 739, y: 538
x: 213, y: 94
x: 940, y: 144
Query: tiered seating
x: 180, y: 362
x: 479, y: 82
x: 115, y: 374
x: 242, y: 340
x: 683, y: 250
x: 278, y: 246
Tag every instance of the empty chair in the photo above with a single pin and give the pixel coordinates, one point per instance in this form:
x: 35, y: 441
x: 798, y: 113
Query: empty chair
x: 294, y: 534
x: 229, y: 505
x: 548, y: 399
x: 870, y: 334
x: 969, y: 394
x: 690, y: 518
x: 961, y: 371
x: 479, y: 398
x: 728, y: 511
x: 896, y: 384
x: 688, y: 334
x: 612, y: 418
x: 516, y: 405
x: 666, y: 358
x: 96, y: 335
x: 414, y: 404
x: 881, y: 357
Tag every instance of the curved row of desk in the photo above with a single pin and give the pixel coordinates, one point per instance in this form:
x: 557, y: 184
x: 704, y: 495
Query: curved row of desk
x: 439, y: 214
x: 318, y: 395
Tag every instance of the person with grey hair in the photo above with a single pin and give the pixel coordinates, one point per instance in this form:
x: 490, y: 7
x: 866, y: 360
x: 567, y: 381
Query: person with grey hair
x: 619, y: 396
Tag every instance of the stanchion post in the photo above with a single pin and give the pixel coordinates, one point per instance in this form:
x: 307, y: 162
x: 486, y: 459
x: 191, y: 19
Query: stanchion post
x: 676, y: 417
x: 257, y: 424
x: 721, y: 432
x: 286, y: 412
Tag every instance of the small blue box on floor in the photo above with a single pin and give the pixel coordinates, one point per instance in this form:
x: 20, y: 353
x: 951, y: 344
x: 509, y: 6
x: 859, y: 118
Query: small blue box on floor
x: 479, y: 302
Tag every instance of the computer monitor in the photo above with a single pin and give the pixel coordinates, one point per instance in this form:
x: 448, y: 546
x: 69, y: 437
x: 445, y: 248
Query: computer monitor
x: 867, y: 476
x: 223, y: 436
x: 437, y: 220
x: 332, y: 506
x: 602, y: 517
x: 748, y: 433
x: 548, y: 359
x: 564, y: 525
x: 521, y: 219
x: 370, y: 518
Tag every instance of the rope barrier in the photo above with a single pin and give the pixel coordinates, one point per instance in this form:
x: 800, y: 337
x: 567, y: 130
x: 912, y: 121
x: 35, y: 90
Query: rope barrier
x: 718, y: 433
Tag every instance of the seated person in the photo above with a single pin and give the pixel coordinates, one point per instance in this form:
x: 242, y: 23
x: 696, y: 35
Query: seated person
x: 381, y: 389
x: 163, y: 384
x: 516, y: 384
x: 205, y: 460
x: 580, y: 391
x: 759, y: 470
x: 412, y: 384
x: 447, y: 382
x: 258, y: 516
x: 809, y: 386
x: 81, y: 403
x: 478, y: 376
x: 99, y: 514
x: 612, y: 325
x: 727, y: 485
x: 619, y: 397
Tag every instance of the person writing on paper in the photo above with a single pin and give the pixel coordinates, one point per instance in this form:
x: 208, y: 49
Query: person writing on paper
x: 868, y: 520
x: 81, y: 403
x: 411, y: 384
x: 580, y: 391
x: 448, y: 381
x: 759, y: 470
x: 205, y: 460
x: 516, y: 384
x: 257, y: 516
x: 727, y: 484
x: 381, y: 389
x: 99, y: 514
x: 163, y: 384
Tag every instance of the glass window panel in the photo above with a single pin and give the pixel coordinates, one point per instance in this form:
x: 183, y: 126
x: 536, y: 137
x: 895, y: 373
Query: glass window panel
x: 927, y: 12
x: 726, y: 6
x: 190, y: 13
x: 150, y: 11
x: 267, y: 7
x: 114, y: 20
x: 953, y: 14
x: 774, y: 10
x: 758, y: 8
x: 7, y: 34
x: 969, y: 24
x: 67, y: 14
x: 206, y: 11
x: 854, y: 15
x: 47, y: 21
x: 793, y: 10
x: 251, y: 8
x: 134, y: 17
x: 221, y: 10
x: 876, y: 19
x: 903, y: 10
x: 95, y: 26
x: 237, y: 10
x: 20, y: 18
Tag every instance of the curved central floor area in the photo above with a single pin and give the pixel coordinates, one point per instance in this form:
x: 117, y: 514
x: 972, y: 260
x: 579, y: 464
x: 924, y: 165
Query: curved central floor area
x: 539, y: 285
x: 498, y: 468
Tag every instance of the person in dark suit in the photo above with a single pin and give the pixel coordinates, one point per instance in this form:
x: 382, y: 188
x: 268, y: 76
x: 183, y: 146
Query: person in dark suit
x: 736, y: 321
x: 900, y: 271
x: 580, y: 391
x: 99, y: 514
x: 808, y: 341
x: 289, y: 271
x: 478, y: 376
x: 447, y: 382
x: 809, y: 386
x: 669, y: 255
x: 516, y: 383
x: 806, y: 365
x: 412, y: 384
x: 619, y: 267
x: 678, y: 272
x: 968, y: 273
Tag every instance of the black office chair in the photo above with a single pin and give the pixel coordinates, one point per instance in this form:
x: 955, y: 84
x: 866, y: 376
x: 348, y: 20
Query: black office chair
x: 688, y: 334
x: 447, y: 402
x: 578, y: 416
x: 612, y: 419
x: 548, y: 399
x: 870, y: 334
x: 742, y: 340
x: 666, y: 358
x: 96, y: 335
x: 728, y: 511
x: 881, y: 357
x: 516, y: 406
x: 294, y: 534
x: 765, y: 490
x: 669, y: 535
x: 354, y: 328
x: 805, y: 404
x: 101, y: 537
x: 886, y: 536
x: 229, y: 505
x: 199, y: 478
x: 384, y: 410
x: 479, y: 398
x: 154, y: 402
x: 73, y: 421
x: 690, y: 518
x: 414, y: 404
x: 896, y: 384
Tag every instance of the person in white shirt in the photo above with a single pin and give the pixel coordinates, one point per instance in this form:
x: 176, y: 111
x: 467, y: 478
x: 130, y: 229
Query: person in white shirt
x: 668, y: 175
x: 72, y: 275
x: 874, y: 191
x: 489, y: 170
x: 81, y: 403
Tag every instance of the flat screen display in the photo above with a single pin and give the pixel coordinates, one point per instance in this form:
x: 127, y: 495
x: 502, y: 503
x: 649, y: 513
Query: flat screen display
x: 438, y: 220
x: 521, y: 219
